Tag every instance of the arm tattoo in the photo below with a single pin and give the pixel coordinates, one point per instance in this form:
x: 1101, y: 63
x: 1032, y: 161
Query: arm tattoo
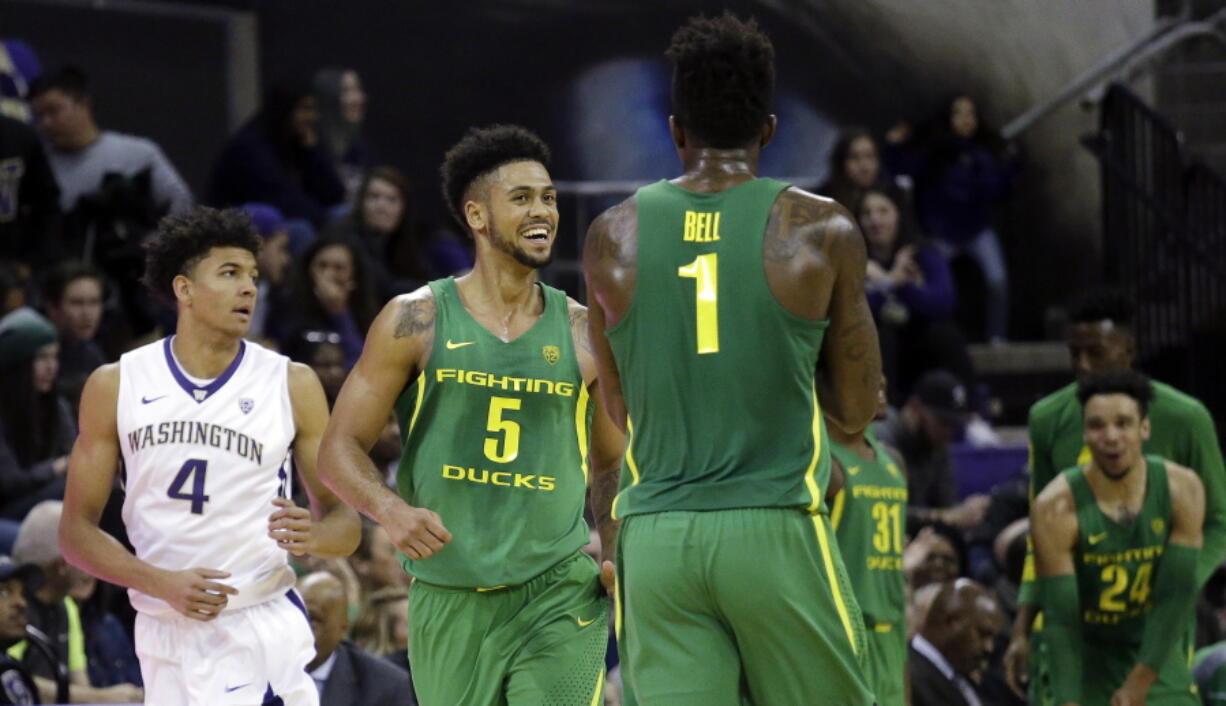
x: 604, y: 490
x: 794, y: 224
x: 611, y: 236
x: 416, y: 316
x: 578, y: 327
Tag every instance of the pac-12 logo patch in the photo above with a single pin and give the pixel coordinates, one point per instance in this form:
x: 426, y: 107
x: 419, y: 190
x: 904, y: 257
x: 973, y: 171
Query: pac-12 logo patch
x: 1158, y: 525
x: 552, y: 354
x: 246, y: 404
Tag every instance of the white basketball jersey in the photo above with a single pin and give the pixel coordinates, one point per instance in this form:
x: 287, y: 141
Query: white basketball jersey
x: 203, y: 464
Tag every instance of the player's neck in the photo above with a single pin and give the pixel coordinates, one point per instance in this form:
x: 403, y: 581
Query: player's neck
x: 1127, y: 490
x: 202, y: 353
x: 709, y: 169
x: 500, y: 295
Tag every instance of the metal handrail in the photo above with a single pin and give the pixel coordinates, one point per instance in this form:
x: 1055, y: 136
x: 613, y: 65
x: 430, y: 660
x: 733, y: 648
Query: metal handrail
x: 1164, y: 35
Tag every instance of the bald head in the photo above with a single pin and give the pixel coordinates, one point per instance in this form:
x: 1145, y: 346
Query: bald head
x: 327, y: 609
x: 962, y: 624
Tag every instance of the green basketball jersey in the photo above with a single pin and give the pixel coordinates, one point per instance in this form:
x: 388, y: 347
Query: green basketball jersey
x: 495, y: 441
x: 869, y: 517
x: 1116, y: 563
x: 1116, y: 567
x: 717, y: 376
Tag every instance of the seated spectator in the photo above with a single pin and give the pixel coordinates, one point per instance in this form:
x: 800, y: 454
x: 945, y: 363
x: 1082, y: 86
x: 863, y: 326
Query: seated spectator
x: 954, y: 645
x: 934, y: 414
x: 855, y: 166
x: 382, y: 628
x: 81, y: 154
x: 400, y: 258
x: 322, y: 351
x: 962, y: 169
x: 273, y: 259
x: 342, y: 110
x: 30, y: 220
x: 911, y: 293
x: 346, y: 674
x: 331, y: 292
x: 110, y: 655
x: 376, y: 562
x: 53, y: 611
x: 36, y: 424
x: 72, y: 298
x: 16, y: 682
x: 277, y: 158
x: 936, y: 555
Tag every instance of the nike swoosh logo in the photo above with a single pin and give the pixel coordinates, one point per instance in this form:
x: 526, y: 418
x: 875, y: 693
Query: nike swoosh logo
x: 584, y: 623
x: 1096, y: 538
x: 146, y: 400
x: 236, y: 688
x: 461, y: 344
x: 853, y: 470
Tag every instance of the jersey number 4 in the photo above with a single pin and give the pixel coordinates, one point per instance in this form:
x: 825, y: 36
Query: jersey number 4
x: 193, y: 471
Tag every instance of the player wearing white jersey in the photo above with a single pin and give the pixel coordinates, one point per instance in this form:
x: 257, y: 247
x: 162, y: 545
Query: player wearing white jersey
x: 206, y: 423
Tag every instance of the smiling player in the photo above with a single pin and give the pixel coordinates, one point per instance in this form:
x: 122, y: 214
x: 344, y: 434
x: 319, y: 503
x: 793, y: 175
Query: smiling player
x: 205, y: 423
x: 493, y: 381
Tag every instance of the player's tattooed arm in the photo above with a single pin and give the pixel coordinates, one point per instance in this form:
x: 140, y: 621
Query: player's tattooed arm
x: 608, y: 444
x: 609, y: 272
x: 610, y: 244
x: 796, y: 223
x: 850, y: 372
x: 578, y: 327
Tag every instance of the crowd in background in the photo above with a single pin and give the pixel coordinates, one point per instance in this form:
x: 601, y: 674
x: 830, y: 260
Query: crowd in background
x: 341, y: 237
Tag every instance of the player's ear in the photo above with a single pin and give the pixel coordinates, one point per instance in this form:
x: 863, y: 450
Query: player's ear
x: 182, y: 287
x: 768, y: 130
x: 675, y: 129
x: 1145, y: 429
x: 474, y: 215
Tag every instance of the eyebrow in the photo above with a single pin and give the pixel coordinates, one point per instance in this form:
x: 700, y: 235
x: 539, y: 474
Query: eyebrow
x: 525, y: 187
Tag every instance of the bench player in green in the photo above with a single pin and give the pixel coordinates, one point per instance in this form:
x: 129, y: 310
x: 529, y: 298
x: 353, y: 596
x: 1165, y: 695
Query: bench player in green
x: 1116, y: 543
x: 1101, y: 339
x: 710, y: 298
x: 493, y: 386
x: 869, y: 515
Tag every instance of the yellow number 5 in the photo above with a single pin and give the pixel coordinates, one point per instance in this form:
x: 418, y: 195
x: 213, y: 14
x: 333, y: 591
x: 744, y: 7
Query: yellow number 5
x: 509, y: 429
x: 705, y: 271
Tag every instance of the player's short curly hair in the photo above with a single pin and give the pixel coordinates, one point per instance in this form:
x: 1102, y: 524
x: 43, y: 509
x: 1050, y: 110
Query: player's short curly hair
x: 481, y: 151
x: 1103, y: 304
x: 184, y: 239
x: 1118, y: 382
x: 723, y: 79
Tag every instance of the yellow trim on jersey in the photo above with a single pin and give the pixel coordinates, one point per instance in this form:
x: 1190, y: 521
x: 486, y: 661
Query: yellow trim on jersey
x: 827, y: 559
x: 581, y: 428
x: 815, y: 493
x: 630, y: 463
x: 617, y: 608
x: 598, y: 694
x: 421, y: 393
x: 840, y: 501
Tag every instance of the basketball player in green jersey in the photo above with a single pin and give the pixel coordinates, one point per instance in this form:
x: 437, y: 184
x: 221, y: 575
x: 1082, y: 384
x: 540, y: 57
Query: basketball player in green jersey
x: 1101, y: 339
x: 869, y: 516
x: 1116, y: 544
x: 710, y: 298
x: 493, y: 385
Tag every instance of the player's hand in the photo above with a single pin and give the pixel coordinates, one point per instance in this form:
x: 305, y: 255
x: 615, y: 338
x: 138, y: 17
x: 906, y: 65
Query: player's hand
x: 1017, y: 664
x: 417, y: 532
x: 290, y: 526
x: 608, y: 576
x: 194, y: 592
x: 1135, y: 688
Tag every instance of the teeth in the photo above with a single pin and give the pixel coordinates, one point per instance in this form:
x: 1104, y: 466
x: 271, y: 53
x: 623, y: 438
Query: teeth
x: 537, y: 232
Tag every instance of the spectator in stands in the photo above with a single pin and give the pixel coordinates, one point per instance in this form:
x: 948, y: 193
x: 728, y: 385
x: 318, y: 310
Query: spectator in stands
x: 937, y: 554
x: 30, y: 220
x: 399, y: 257
x: 16, y: 682
x: 331, y: 292
x: 81, y: 154
x: 855, y: 167
x: 954, y: 645
x: 36, y: 424
x: 962, y: 169
x: 382, y: 628
x: 322, y: 351
x: 911, y: 293
x: 934, y: 415
x: 376, y: 562
x: 342, y: 110
x: 277, y: 158
x: 110, y: 655
x: 52, y: 610
x: 14, y: 278
x: 72, y: 298
x: 272, y: 261
x: 346, y: 674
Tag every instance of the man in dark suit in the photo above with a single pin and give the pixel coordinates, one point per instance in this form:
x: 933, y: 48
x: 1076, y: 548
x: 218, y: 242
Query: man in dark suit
x: 955, y: 641
x: 346, y: 674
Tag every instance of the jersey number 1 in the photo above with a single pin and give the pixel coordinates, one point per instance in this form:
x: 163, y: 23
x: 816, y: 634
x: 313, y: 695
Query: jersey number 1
x: 194, y: 470
x: 705, y: 272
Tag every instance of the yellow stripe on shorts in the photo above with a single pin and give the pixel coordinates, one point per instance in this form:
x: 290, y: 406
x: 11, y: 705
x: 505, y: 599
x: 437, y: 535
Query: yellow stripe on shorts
x: 828, y: 560
x: 598, y: 694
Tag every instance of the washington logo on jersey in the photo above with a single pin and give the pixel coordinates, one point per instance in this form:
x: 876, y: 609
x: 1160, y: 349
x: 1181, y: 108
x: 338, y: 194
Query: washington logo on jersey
x: 246, y: 404
x: 204, y: 433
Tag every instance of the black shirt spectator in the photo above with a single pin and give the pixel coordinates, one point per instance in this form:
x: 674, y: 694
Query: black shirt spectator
x: 30, y: 218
